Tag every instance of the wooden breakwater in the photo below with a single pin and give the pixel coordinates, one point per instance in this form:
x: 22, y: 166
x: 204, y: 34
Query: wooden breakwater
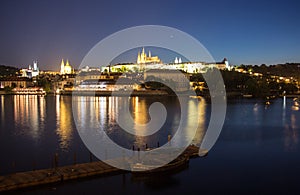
x: 47, y: 176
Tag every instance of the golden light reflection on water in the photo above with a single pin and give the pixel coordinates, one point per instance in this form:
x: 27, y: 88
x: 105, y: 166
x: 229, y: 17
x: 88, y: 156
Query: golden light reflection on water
x: 63, y: 121
x: 2, y: 108
x: 29, y: 111
x: 201, y: 106
x: 140, y: 116
x: 139, y: 110
x: 101, y: 112
x: 194, y: 115
x: 95, y: 111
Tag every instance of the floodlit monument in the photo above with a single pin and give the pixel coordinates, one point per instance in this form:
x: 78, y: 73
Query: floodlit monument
x: 66, y: 68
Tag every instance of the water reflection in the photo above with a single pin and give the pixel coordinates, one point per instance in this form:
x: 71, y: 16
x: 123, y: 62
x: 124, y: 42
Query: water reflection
x: 201, y: 106
x: 42, y: 126
x: 100, y: 113
x: 64, y: 121
x: 2, y: 108
x: 140, y: 116
x: 29, y: 111
x: 291, y: 133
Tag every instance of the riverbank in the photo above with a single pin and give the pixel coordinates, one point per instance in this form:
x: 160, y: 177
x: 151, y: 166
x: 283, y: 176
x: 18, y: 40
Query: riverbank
x: 116, y: 93
x: 206, y: 95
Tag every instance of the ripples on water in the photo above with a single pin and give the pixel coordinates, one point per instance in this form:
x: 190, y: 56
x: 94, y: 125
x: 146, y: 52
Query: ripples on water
x: 257, y: 151
x: 34, y: 128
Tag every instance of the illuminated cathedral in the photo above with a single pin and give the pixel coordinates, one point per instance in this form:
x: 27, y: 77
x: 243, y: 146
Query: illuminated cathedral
x: 144, y: 59
x: 66, y: 68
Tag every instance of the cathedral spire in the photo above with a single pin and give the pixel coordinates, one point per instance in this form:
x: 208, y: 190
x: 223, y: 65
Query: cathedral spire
x: 62, y: 67
x: 67, y: 63
x: 139, y: 58
x: 143, y: 51
x: 62, y: 62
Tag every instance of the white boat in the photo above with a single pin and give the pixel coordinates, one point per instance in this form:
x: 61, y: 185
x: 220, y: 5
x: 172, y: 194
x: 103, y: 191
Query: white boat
x: 29, y: 91
x: 296, y: 102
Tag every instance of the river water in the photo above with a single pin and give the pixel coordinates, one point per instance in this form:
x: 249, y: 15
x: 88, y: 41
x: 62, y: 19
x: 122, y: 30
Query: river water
x: 257, y: 152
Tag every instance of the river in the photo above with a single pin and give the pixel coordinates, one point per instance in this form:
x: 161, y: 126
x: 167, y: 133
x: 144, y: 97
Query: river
x: 257, y: 151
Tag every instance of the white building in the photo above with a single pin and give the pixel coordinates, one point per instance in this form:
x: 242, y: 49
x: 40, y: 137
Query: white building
x: 31, y: 71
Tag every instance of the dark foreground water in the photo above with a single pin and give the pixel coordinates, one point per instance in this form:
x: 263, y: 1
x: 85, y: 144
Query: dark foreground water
x: 257, y: 152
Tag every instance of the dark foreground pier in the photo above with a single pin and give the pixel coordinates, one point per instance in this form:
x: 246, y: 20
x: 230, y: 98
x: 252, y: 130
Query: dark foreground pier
x: 60, y: 174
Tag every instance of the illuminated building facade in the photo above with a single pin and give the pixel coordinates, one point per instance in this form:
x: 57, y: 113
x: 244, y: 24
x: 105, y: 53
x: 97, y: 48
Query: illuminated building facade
x: 66, y: 68
x: 15, y: 82
x: 144, y: 59
x: 145, y: 63
x: 31, y: 71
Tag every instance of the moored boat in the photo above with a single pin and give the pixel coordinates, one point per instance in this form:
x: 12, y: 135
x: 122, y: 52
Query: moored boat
x: 140, y: 169
x: 29, y: 91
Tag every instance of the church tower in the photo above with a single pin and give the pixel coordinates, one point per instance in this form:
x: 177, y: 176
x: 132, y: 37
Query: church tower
x: 35, y: 66
x: 68, y: 68
x: 62, y: 67
x: 143, y: 56
x: 139, y: 58
x: 67, y: 64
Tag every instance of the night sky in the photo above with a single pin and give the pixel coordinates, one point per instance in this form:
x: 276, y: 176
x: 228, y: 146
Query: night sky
x: 246, y: 32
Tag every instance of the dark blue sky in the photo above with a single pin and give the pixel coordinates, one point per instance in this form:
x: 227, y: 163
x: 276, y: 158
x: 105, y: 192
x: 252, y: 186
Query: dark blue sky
x: 248, y: 32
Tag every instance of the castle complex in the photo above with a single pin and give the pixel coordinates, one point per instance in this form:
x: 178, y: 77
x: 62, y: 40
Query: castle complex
x: 146, y: 62
x: 144, y: 59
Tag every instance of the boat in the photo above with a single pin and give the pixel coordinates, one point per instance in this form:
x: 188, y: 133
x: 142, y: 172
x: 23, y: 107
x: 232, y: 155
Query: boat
x: 296, y: 102
x: 140, y: 169
x: 29, y: 91
x: 247, y: 95
x: 203, y: 152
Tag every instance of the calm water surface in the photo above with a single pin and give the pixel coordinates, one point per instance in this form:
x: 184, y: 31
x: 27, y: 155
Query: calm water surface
x: 257, y: 151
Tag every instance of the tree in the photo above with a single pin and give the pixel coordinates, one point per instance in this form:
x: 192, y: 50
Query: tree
x: 44, y: 83
x: 250, y: 86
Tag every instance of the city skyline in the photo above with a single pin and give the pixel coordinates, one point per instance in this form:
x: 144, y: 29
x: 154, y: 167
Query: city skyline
x: 244, y: 32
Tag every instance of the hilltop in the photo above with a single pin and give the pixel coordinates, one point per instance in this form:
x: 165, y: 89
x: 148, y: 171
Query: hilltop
x: 8, y: 71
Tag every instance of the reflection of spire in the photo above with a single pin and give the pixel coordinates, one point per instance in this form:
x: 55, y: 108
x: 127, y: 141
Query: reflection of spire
x: 149, y: 54
x: 179, y: 61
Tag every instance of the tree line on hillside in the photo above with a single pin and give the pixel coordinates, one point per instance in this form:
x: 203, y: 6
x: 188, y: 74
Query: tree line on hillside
x: 246, y: 84
x: 285, y: 70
